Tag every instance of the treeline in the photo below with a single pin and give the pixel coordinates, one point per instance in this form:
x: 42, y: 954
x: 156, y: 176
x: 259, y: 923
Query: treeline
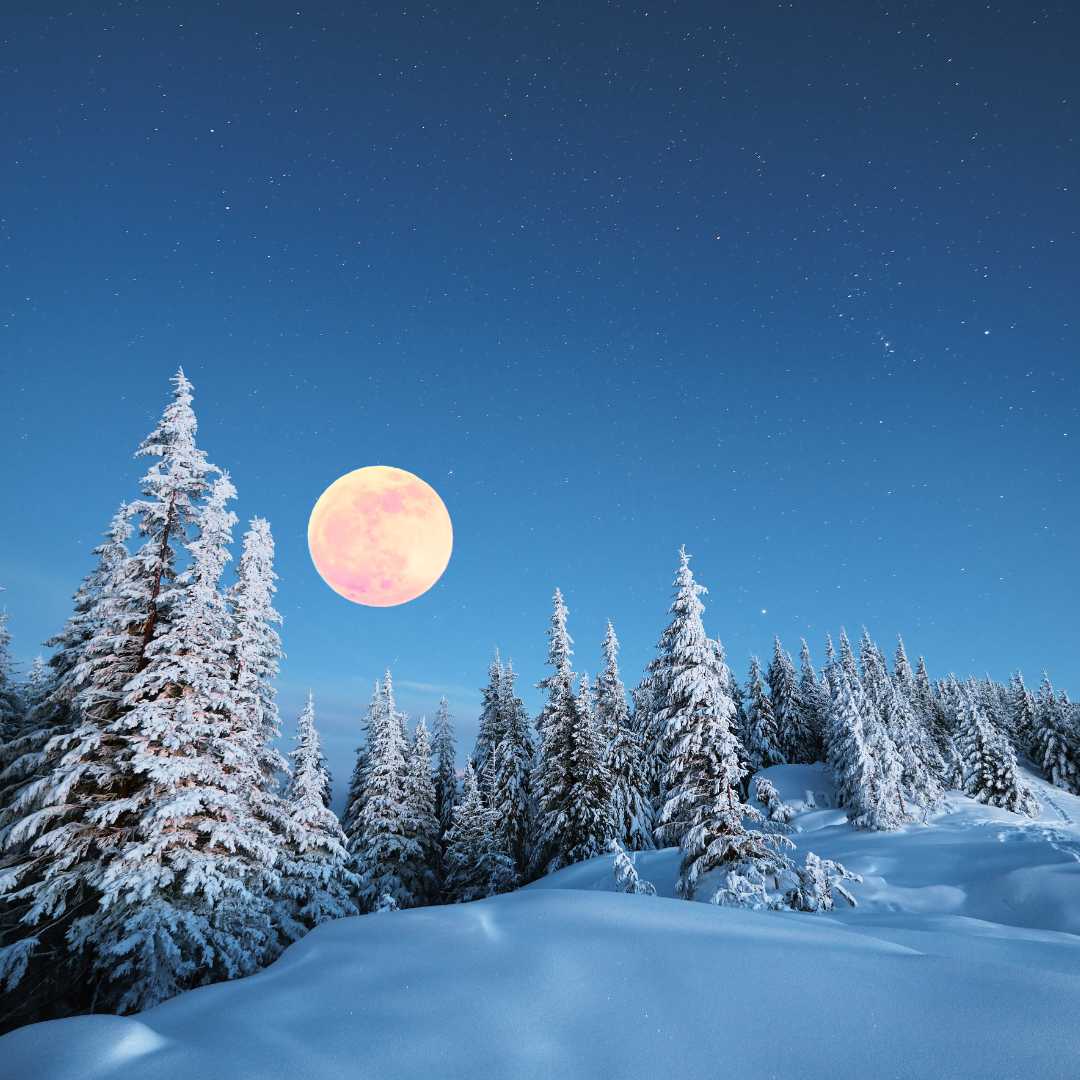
x: 153, y: 839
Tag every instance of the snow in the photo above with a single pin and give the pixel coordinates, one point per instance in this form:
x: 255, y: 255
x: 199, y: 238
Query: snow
x: 961, y: 960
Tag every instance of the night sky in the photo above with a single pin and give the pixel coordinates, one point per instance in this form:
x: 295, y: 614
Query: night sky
x: 795, y: 285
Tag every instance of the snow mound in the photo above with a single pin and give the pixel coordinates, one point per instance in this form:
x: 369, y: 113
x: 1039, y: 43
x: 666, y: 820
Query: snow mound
x: 961, y: 961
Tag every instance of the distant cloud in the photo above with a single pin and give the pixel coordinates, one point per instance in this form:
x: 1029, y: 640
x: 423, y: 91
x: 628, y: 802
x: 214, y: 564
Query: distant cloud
x: 448, y: 690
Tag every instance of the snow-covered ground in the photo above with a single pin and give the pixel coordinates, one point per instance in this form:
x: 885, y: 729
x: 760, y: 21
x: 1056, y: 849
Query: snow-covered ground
x: 962, y: 960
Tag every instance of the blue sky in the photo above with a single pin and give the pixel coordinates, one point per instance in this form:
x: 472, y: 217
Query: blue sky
x: 793, y: 287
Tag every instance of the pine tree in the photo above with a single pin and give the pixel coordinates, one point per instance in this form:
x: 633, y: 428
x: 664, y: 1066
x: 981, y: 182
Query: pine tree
x: 847, y: 658
x: 814, y: 699
x: 256, y: 655
x: 795, y: 738
x: 475, y: 868
x: 631, y: 808
x: 11, y: 704
x: 612, y: 712
x: 862, y: 762
x: 574, y: 798
x: 921, y: 766
x: 762, y: 738
x: 1057, y: 743
x: 818, y: 880
x: 989, y: 765
x: 703, y: 811
x: 186, y: 895
x: 625, y: 872
x: 80, y: 809
x: 355, y: 798
x: 1023, y: 715
x: 491, y: 723
x: 388, y: 859
x: 511, y: 799
x: 317, y: 883
x: 445, y: 766
x: 421, y: 822
x: 903, y: 676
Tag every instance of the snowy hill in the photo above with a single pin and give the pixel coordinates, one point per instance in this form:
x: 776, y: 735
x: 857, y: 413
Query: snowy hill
x: 962, y: 960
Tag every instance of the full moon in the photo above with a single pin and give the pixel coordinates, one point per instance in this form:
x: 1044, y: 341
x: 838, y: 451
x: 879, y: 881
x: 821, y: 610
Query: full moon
x: 380, y: 536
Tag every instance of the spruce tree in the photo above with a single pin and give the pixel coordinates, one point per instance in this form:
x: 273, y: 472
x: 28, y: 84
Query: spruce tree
x: 762, y: 737
x: 1023, y: 715
x: 631, y: 807
x: 612, y: 711
x: 317, y: 883
x: 421, y: 822
x: 186, y: 896
x: 512, y: 798
x: 445, y: 766
x: 11, y: 704
x: 861, y: 760
x: 1057, y: 742
x: 88, y: 785
x: 903, y: 676
x: 388, y: 859
x: 814, y: 699
x: 703, y: 811
x: 491, y: 723
x: 256, y: 655
x: 355, y: 797
x: 475, y: 868
x: 989, y: 764
x: 921, y: 766
x: 795, y: 739
x: 574, y: 812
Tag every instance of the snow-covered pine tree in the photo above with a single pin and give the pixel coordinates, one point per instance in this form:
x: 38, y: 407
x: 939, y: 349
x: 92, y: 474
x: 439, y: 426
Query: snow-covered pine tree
x: 923, y: 690
x: 612, y: 711
x: 575, y: 787
x: 795, y: 738
x: 67, y: 814
x: 37, y: 686
x: 765, y: 792
x: 762, y: 737
x: 1057, y: 743
x: 556, y: 724
x: 863, y: 765
x: 354, y: 799
x: 94, y: 605
x: 474, y: 867
x: 847, y: 658
x: 921, y: 766
x: 989, y: 764
x: 625, y: 872
x: 814, y: 698
x: 903, y: 676
x: 317, y: 883
x: 512, y: 764
x: 421, y: 822
x: 445, y: 755
x: 11, y: 704
x: 703, y: 811
x: 818, y: 880
x: 50, y: 781
x: 631, y: 807
x: 491, y: 723
x: 1023, y: 714
x: 186, y: 894
x: 256, y: 655
x: 388, y: 860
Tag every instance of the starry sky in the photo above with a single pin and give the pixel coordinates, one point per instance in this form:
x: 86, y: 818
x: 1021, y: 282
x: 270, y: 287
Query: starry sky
x: 792, y: 284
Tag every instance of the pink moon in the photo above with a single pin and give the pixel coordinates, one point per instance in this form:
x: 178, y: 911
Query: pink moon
x: 380, y: 536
